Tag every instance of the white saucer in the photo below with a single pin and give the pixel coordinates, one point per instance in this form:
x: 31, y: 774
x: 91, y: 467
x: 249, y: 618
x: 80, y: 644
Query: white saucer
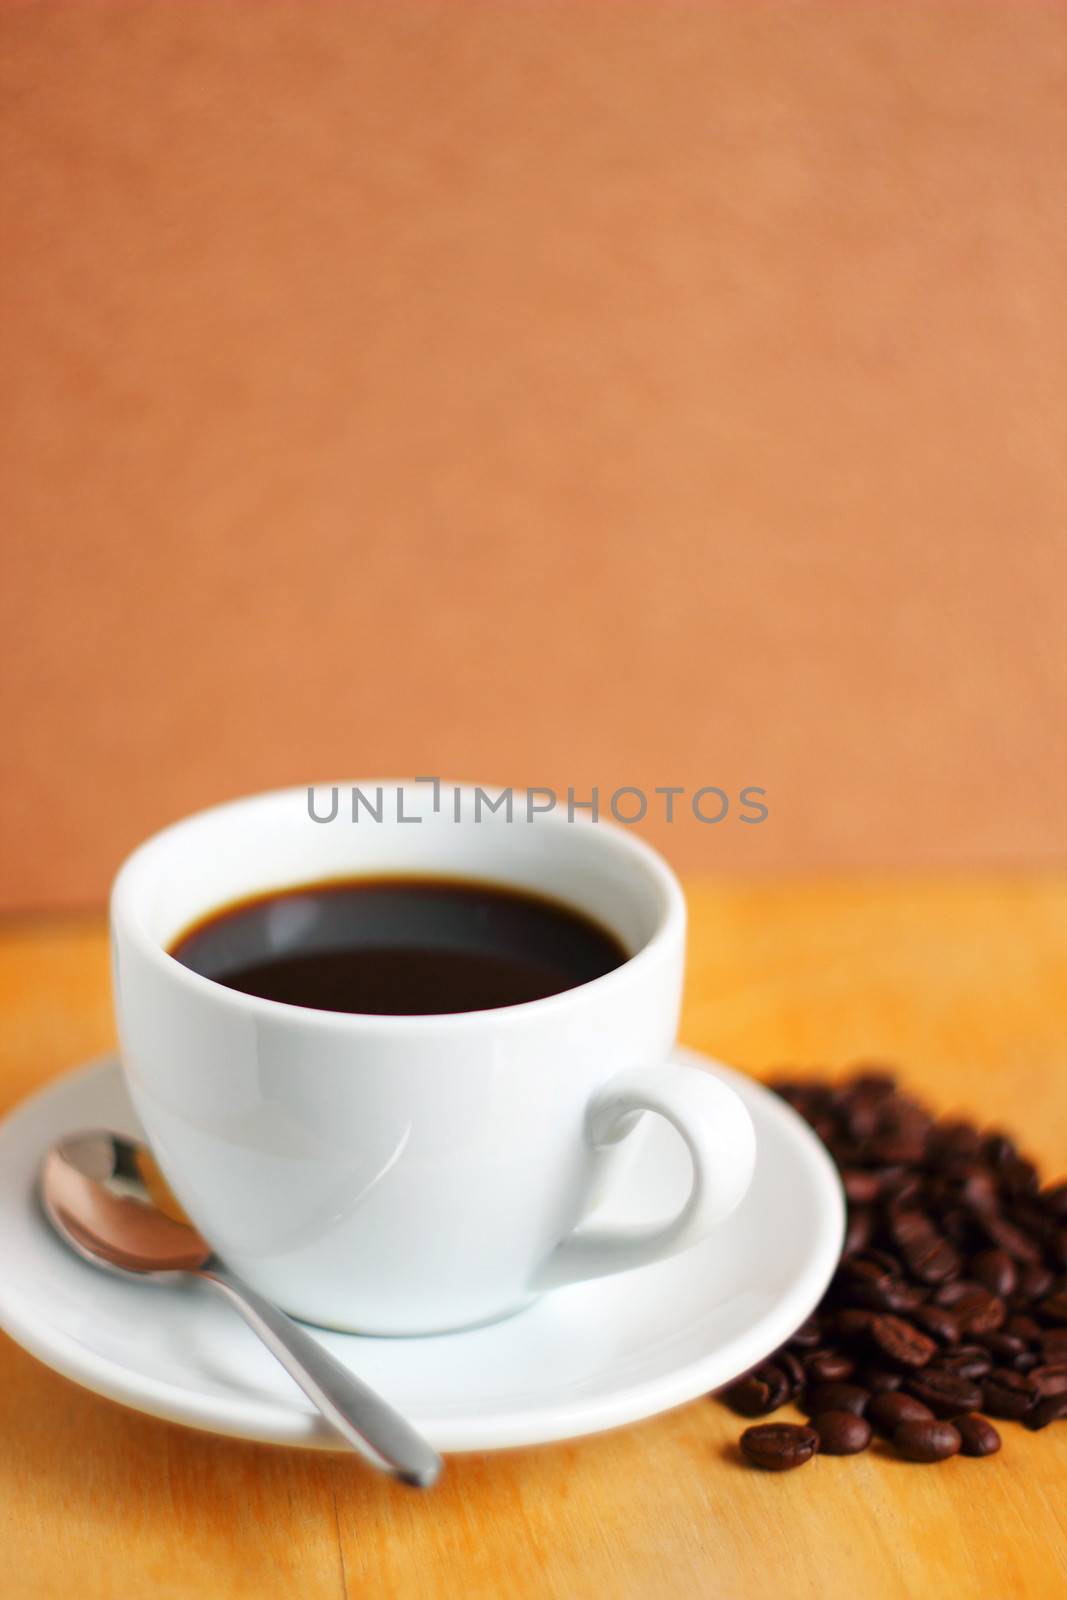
x: 580, y: 1360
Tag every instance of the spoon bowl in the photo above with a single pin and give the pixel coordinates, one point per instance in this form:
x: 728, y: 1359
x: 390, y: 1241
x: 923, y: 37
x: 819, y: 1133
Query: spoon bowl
x: 107, y: 1199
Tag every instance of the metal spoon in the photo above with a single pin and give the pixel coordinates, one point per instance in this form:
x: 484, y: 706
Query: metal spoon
x: 105, y: 1196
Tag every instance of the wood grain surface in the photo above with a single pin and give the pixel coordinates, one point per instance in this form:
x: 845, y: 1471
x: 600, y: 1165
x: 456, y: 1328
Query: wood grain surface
x: 963, y: 983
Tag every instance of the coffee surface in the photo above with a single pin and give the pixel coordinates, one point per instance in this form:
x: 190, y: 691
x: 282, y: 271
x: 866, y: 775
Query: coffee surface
x: 400, y: 946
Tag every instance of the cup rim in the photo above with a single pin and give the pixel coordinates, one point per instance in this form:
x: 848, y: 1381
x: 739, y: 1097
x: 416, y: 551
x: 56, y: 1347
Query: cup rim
x: 638, y: 854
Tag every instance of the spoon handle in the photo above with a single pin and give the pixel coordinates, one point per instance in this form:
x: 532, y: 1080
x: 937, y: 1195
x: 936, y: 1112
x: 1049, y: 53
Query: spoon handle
x: 367, y: 1421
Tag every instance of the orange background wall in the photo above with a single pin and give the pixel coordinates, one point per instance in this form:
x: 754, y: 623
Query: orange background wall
x: 553, y: 394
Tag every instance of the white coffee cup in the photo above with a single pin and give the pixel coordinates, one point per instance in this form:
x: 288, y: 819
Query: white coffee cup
x: 413, y: 1174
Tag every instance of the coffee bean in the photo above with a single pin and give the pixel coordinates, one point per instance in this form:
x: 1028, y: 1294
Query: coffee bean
x: 779, y: 1446
x: 1054, y: 1306
x: 966, y: 1361
x: 902, y: 1188
x: 858, y: 1231
x: 901, y: 1342
x: 934, y: 1261
x: 996, y: 1271
x: 1007, y: 1394
x: 866, y: 1277
x: 960, y: 1143
x: 850, y: 1324
x: 905, y: 1148
x: 1027, y: 1214
x: 909, y: 1227
x: 982, y: 1319
x: 866, y: 1282
x: 957, y: 1224
x: 791, y: 1090
x: 898, y: 1297
x: 976, y: 1189
x: 808, y: 1336
x: 938, y: 1321
x: 1004, y: 1347
x: 1035, y: 1281
x: 879, y: 1380
x: 864, y: 1117
x: 872, y: 1080
x: 758, y: 1392
x: 861, y: 1188
x: 951, y: 1294
x: 1049, y: 1379
x: 976, y: 1309
x: 1012, y: 1240
x: 886, y: 1260
x: 927, y: 1441
x: 977, y: 1436
x: 836, y: 1397
x: 963, y: 1291
x: 998, y: 1149
x: 1019, y: 1177
x: 793, y: 1370
x: 954, y: 1140
x: 841, y: 1433
x: 829, y: 1366
x: 888, y: 1411
x: 749, y: 1396
x: 946, y: 1393
x: 773, y: 1375
x: 1046, y: 1411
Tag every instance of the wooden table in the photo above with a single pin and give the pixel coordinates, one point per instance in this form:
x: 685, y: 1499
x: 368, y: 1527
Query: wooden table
x: 964, y: 983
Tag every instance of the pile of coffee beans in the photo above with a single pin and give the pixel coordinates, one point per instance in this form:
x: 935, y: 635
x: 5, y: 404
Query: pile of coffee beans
x: 950, y: 1299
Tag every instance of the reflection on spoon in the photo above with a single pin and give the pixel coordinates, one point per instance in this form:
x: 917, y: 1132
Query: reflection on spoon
x: 105, y: 1196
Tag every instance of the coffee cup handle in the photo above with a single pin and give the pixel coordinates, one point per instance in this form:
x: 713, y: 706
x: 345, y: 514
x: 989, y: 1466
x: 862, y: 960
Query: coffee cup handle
x: 722, y: 1145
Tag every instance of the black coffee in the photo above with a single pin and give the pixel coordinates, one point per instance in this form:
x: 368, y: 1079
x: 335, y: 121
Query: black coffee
x: 399, y: 946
